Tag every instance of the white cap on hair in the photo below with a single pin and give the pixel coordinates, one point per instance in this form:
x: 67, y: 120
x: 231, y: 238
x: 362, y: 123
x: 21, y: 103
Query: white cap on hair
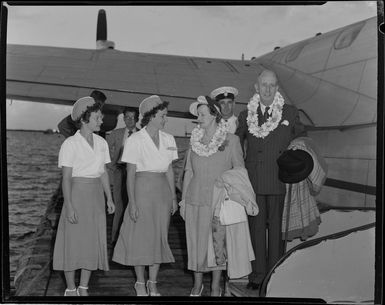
x: 80, y: 107
x: 149, y: 103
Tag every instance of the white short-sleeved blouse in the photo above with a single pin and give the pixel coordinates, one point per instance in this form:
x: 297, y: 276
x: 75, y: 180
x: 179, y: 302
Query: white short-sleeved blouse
x: 139, y: 149
x: 86, y: 162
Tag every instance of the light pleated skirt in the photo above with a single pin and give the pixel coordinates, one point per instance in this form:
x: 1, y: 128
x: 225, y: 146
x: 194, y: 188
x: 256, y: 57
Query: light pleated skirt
x: 83, y: 245
x: 198, y: 223
x: 145, y: 242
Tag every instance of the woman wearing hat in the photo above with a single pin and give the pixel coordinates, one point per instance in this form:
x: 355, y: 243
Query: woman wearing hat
x: 151, y: 191
x: 212, y: 151
x: 81, y: 241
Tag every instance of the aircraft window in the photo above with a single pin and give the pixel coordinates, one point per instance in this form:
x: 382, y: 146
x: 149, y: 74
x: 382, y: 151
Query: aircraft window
x: 294, y: 52
x: 347, y: 36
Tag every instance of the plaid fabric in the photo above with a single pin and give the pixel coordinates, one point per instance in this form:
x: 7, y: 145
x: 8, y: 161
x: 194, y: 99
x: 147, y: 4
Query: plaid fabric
x: 219, y: 241
x: 304, y: 217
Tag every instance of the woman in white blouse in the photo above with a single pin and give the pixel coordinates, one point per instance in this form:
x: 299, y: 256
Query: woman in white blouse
x: 151, y: 191
x: 81, y: 241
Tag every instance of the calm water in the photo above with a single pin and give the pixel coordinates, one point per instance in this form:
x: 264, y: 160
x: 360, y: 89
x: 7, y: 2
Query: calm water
x: 33, y: 177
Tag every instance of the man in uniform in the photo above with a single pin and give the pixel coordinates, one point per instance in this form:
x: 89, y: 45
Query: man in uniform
x: 225, y: 96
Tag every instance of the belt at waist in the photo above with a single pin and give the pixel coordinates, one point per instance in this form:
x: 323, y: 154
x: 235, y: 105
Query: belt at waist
x: 144, y: 173
x: 86, y: 180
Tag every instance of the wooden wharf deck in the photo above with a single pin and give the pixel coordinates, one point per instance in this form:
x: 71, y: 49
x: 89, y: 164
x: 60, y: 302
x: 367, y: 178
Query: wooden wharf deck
x: 173, y: 279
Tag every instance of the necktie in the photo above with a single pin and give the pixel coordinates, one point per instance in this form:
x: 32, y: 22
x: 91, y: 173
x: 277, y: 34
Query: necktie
x: 266, y: 114
x: 129, y: 132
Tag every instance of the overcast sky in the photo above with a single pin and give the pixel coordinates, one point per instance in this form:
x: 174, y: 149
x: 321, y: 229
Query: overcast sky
x: 207, y: 31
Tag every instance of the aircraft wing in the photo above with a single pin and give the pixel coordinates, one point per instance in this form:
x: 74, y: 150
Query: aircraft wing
x: 331, y: 78
x: 62, y: 75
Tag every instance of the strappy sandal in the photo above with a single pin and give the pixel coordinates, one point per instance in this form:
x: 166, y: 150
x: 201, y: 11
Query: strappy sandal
x: 153, y: 294
x: 70, y: 290
x: 220, y: 293
x: 81, y: 287
x: 136, y: 290
x: 196, y: 295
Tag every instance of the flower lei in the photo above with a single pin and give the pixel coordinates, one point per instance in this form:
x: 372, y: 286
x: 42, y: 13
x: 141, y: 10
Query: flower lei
x: 271, y: 123
x: 212, y: 147
x: 227, y: 124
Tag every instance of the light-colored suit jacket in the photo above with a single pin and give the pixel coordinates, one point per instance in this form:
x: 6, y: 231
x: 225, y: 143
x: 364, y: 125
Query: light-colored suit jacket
x: 114, y: 140
x: 115, y: 144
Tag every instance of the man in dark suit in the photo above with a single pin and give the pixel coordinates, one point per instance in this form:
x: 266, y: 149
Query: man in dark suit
x: 67, y: 126
x: 117, y: 168
x: 268, y: 126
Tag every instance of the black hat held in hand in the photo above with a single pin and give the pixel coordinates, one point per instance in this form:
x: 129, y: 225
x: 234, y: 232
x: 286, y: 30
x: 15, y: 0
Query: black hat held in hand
x: 294, y: 166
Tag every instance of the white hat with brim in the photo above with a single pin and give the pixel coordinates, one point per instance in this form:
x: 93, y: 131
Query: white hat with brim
x: 201, y: 100
x: 81, y: 106
x: 223, y: 92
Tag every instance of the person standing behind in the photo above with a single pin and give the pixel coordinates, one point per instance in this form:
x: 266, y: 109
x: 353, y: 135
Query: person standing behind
x: 143, y: 237
x: 116, y: 140
x: 225, y: 97
x: 268, y: 125
x: 81, y: 241
x: 68, y: 126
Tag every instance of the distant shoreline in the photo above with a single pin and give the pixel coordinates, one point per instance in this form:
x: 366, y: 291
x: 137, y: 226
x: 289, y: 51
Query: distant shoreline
x: 39, y: 130
x: 29, y: 130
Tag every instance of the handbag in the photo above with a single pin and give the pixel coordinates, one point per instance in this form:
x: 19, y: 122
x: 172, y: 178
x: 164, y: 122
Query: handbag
x: 231, y: 212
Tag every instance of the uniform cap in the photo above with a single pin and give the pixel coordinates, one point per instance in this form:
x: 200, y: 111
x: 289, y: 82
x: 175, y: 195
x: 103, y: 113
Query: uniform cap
x: 224, y: 92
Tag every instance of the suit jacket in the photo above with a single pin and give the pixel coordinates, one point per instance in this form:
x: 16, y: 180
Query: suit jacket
x: 262, y: 154
x: 67, y: 127
x: 115, y: 144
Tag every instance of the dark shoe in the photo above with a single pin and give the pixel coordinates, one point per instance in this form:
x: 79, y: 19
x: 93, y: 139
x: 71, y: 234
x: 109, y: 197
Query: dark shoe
x: 253, y: 286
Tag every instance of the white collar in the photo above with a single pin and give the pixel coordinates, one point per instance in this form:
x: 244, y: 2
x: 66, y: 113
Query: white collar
x: 127, y: 130
x: 79, y: 135
x: 263, y: 107
x: 232, y: 118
